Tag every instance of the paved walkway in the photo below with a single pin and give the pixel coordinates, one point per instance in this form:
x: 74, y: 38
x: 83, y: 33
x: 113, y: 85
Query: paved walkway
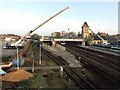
x: 35, y: 68
x: 60, y: 51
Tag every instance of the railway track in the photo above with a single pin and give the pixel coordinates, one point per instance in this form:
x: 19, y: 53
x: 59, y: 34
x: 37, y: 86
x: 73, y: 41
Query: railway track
x: 79, y: 81
x: 109, y: 57
x: 100, y: 58
x: 109, y: 70
x: 105, y: 58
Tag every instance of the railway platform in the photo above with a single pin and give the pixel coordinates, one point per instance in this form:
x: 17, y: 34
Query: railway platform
x: 59, y: 50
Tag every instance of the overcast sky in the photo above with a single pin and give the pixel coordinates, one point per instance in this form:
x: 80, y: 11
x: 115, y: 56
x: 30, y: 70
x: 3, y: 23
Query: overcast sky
x: 21, y: 17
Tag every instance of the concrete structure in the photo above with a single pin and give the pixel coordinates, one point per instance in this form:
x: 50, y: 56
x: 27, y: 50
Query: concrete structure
x: 61, y: 51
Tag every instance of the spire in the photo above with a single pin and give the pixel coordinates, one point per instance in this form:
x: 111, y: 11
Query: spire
x: 85, y: 23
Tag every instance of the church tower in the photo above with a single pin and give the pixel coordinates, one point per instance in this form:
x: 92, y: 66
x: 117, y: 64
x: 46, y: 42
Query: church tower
x: 85, y: 33
x: 85, y: 30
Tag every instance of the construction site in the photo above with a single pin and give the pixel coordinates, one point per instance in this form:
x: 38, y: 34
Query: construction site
x: 59, y: 63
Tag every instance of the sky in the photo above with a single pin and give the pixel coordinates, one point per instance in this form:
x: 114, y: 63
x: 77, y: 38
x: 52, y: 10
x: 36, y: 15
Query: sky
x: 21, y: 17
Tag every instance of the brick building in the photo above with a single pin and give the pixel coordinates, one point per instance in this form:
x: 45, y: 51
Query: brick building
x: 12, y: 36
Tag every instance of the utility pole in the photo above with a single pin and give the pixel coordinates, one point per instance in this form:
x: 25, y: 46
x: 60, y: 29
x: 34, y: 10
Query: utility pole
x: 17, y: 60
x: 33, y: 66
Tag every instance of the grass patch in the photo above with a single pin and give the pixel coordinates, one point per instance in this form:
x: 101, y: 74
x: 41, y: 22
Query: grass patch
x: 40, y: 81
x: 5, y: 58
x: 37, y: 81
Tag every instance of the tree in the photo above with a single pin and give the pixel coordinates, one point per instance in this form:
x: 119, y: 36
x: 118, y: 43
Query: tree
x: 35, y: 37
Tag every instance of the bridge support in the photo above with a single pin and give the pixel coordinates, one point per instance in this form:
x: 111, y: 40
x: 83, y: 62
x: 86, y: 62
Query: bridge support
x: 54, y: 43
x: 83, y: 43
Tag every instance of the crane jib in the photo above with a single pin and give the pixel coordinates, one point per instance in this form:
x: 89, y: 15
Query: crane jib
x: 24, y: 37
x: 49, y: 19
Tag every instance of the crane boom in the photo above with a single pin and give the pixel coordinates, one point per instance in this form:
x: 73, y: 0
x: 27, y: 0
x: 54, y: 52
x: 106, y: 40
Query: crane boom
x: 23, y: 38
x: 49, y: 19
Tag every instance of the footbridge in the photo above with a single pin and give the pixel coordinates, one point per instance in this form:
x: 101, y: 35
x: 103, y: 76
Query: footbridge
x: 61, y: 40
